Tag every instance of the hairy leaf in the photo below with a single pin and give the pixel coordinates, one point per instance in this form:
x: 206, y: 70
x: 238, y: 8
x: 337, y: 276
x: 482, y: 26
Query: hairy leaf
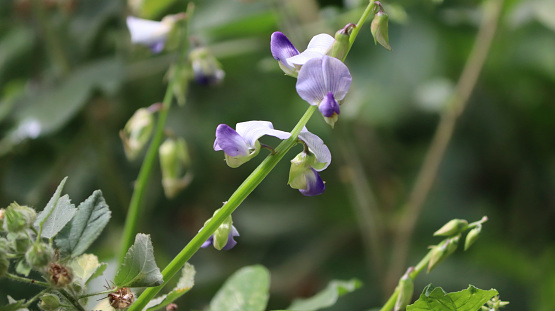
x: 57, y: 213
x: 246, y: 290
x: 139, y: 268
x: 91, y: 217
x: 184, y: 284
x: 436, y: 299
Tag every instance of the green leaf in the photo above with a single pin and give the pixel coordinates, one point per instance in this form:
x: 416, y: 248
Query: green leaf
x: 86, y: 267
x: 184, y: 284
x: 139, y: 268
x: 246, y: 290
x: 326, y: 297
x: 14, y: 305
x: 59, y: 216
x: 43, y: 216
x: 436, y: 299
x: 87, y: 224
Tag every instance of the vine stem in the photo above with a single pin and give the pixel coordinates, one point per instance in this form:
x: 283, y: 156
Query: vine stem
x: 443, y: 134
x: 254, y: 179
x: 359, y: 24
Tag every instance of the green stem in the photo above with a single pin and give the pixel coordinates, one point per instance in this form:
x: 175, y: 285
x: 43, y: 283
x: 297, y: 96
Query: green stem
x: 26, y: 280
x: 360, y: 22
x: 254, y: 179
x: 390, y: 304
x: 30, y: 301
x: 106, y: 292
x: 144, y: 173
x: 71, y: 299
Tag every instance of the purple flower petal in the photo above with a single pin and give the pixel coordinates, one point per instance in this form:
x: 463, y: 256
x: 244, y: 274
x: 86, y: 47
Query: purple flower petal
x: 157, y: 47
x: 208, y: 242
x: 230, y: 241
x: 314, y: 184
x: 228, y: 140
x: 329, y: 106
x: 282, y: 49
x: 319, y: 76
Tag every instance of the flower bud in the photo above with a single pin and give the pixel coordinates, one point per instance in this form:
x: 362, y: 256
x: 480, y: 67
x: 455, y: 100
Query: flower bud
x: 39, y: 255
x: 221, y: 235
x: 406, y: 290
x: 472, y: 236
x: 206, y: 68
x: 303, y: 176
x: 137, y: 132
x: 379, y: 29
x: 49, y: 302
x: 174, y: 159
x: 59, y: 275
x: 341, y: 44
x: 121, y: 298
x: 442, y: 251
x: 182, y: 76
x: 453, y: 227
x: 18, y: 218
x: 19, y: 242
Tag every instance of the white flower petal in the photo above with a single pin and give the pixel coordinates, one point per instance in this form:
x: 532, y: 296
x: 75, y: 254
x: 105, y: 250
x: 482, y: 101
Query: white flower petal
x: 147, y: 32
x: 251, y: 131
x: 317, y: 47
x: 317, y: 147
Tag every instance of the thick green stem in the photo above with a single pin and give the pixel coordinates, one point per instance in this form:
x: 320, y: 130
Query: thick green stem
x: 254, y: 179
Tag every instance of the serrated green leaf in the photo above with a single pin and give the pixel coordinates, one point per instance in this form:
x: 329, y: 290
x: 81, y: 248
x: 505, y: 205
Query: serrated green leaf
x: 327, y: 297
x: 85, y: 267
x: 184, y: 284
x: 44, y: 215
x: 139, y: 268
x: 246, y: 290
x: 58, y: 218
x: 23, y: 267
x: 91, y: 217
x: 14, y: 305
x: 436, y: 299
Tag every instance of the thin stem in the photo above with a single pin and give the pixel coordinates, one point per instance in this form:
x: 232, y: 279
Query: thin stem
x: 360, y: 22
x: 419, y: 267
x: 71, y: 299
x: 443, y: 134
x: 106, y: 292
x: 26, y: 280
x: 254, y: 179
x: 132, y: 218
x: 30, y: 301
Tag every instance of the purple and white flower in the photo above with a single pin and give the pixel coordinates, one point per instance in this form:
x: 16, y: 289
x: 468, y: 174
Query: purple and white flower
x: 241, y: 145
x: 316, y: 157
x: 230, y: 240
x: 324, y: 82
x: 289, y: 58
x: 150, y: 33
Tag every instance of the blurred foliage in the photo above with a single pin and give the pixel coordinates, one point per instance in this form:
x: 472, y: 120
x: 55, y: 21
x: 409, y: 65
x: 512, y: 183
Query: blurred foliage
x: 70, y: 80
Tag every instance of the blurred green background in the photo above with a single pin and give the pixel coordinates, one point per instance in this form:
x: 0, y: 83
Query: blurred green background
x: 70, y: 79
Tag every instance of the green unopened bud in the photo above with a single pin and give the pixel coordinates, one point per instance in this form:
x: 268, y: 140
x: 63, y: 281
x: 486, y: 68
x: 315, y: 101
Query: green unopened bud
x: 59, y: 275
x: 221, y: 235
x: 18, y: 218
x: 206, y: 68
x: 299, y: 165
x: 442, y: 251
x: 406, y: 290
x: 174, y: 159
x: 137, y: 132
x: 181, y: 75
x: 49, y: 302
x: 19, y: 242
x: 472, y: 236
x: 379, y: 28
x: 39, y: 255
x: 340, y: 46
x: 453, y: 227
x: 4, y: 264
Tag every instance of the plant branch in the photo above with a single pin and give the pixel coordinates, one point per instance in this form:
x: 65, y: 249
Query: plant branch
x: 443, y: 134
x: 254, y: 179
x: 26, y: 280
